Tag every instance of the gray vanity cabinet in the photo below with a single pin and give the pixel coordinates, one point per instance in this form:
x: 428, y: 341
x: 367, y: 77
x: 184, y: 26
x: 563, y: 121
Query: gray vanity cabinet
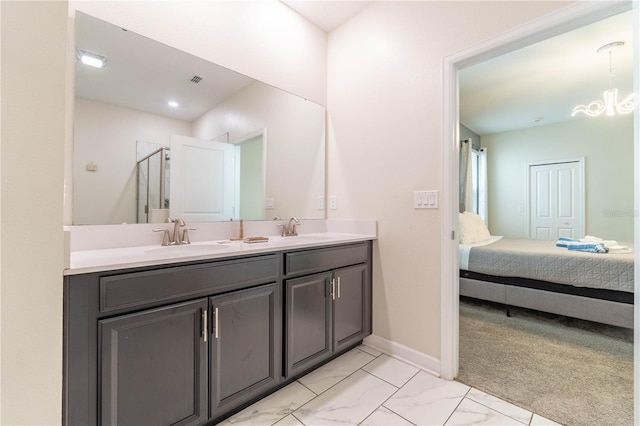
x: 329, y: 311
x: 153, y: 367
x: 308, y: 319
x: 351, y: 306
x: 139, y: 344
x: 191, y: 343
x: 245, y: 341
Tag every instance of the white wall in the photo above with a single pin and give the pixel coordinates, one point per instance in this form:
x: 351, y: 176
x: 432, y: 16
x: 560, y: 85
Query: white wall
x: 385, y: 85
x: 37, y: 99
x: 265, y: 40
x: 295, y: 143
x: 385, y: 97
x: 606, y: 143
x: 106, y: 135
x: 34, y: 130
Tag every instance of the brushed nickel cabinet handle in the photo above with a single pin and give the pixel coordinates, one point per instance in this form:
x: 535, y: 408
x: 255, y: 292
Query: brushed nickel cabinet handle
x: 216, y: 333
x: 333, y: 288
x: 205, y: 325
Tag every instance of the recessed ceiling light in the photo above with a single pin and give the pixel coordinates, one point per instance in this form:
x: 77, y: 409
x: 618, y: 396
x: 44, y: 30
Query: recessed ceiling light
x: 91, y: 59
x: 173, y: 104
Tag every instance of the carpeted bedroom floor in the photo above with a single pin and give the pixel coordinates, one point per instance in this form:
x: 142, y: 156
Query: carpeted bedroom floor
x: 574, y: 372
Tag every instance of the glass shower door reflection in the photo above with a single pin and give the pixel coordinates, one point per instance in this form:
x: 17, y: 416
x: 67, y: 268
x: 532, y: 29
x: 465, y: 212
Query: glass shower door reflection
x: 153, y: 201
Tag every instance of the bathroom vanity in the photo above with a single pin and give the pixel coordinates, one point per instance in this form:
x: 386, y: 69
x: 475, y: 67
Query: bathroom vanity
x: 191, y: 341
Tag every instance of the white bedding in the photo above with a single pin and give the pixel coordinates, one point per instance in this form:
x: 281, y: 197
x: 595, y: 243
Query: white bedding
x: 465, y: 249
x: 542, y: 260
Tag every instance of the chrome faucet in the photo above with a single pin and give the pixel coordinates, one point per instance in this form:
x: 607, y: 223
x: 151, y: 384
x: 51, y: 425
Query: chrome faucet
x: 170, y: 240
x: 177, y: 224
x: 290, y: 230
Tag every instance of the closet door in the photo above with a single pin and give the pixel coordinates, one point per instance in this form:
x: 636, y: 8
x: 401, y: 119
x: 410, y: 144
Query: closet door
x: 556, y: 200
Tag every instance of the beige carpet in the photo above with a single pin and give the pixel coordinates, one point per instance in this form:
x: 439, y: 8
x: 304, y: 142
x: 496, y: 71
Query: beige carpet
x: 570, y: 371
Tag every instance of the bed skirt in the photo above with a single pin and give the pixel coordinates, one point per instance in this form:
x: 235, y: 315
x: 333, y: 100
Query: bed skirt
x: 603, y: 306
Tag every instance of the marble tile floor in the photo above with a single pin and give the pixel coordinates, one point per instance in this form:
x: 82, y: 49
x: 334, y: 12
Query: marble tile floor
x: 366, y: 387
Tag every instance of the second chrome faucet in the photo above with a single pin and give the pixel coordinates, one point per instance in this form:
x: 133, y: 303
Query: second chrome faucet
x: 175, y: 239
x: 290, y: 229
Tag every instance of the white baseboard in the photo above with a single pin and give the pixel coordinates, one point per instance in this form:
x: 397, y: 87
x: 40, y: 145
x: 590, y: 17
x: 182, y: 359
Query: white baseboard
x: 404, y: 353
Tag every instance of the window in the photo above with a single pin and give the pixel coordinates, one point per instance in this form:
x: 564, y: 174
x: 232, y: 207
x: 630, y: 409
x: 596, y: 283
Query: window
x: 479, y: 182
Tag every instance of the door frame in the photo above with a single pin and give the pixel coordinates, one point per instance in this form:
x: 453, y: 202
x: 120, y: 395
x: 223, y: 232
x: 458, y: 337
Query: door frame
x: 238, y: 145
x: 569, y: 18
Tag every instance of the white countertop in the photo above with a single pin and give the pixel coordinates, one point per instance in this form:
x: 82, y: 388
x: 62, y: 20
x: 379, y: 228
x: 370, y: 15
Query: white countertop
x: 108, y: 259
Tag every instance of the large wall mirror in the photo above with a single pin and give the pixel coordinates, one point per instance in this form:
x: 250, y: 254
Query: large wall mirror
x: 159, y: 133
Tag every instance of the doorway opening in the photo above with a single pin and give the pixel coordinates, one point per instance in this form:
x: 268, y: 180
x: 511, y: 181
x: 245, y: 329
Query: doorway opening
x: 251, y: 155
x: 565, y: 20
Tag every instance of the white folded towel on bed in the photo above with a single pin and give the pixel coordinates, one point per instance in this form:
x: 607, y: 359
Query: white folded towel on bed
x: 619, y: 249
x: 612, y: 245
x: 592, y: 239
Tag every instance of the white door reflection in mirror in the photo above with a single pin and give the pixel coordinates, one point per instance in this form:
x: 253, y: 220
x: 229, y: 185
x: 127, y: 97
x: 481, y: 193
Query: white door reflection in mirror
x: 203, y: 172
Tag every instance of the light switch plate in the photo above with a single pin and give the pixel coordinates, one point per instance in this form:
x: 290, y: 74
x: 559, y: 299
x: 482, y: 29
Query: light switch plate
x: 269, y: 203
x: 425, y: 199
x: 417, y: 199
x: 333, y: 202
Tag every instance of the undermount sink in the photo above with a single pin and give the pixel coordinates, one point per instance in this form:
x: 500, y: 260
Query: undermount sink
x: 312, y: 237
x: 187, y: 248
x: 304, y: 238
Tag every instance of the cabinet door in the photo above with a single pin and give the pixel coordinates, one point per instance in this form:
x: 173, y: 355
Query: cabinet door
x: 246, y: 354
x: 154, y: 367
x: 352, y: 320
x: 308, y: 322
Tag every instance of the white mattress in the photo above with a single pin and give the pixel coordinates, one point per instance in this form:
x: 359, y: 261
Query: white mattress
x: 465, y: 250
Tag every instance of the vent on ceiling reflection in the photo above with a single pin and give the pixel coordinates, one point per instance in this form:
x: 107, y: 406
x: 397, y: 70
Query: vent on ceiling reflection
x: 196, y: 79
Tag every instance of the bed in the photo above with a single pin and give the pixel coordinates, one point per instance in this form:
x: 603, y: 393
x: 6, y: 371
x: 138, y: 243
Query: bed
x: 535, y: 274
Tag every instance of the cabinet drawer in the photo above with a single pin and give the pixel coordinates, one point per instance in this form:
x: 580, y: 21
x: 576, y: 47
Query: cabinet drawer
x: 146, y: 288
x: 316, y: 260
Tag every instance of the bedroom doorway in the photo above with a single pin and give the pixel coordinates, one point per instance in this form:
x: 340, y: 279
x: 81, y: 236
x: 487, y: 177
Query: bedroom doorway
x: 572, y: 17
x: 556, y: 200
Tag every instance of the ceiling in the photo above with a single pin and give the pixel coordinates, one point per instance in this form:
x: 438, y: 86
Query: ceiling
x: 545, y: 81
x: 542, y: 82
x: 326, y: 14
x: 533, y: 86
x: 164, y: 74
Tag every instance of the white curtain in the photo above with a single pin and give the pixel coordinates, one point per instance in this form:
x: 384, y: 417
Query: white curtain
x: 465, y: 178
x: 483, y: 196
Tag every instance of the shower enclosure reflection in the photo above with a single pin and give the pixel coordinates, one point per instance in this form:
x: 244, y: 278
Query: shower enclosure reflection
x: 153, y: 186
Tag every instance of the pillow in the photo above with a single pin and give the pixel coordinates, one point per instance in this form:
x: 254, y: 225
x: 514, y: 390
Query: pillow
x: 482, y: 232
x: 467, y: 234
x: 472, y: 228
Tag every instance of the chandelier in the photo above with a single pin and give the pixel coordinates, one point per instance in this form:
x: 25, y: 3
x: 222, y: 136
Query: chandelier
x: 610, y: 104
